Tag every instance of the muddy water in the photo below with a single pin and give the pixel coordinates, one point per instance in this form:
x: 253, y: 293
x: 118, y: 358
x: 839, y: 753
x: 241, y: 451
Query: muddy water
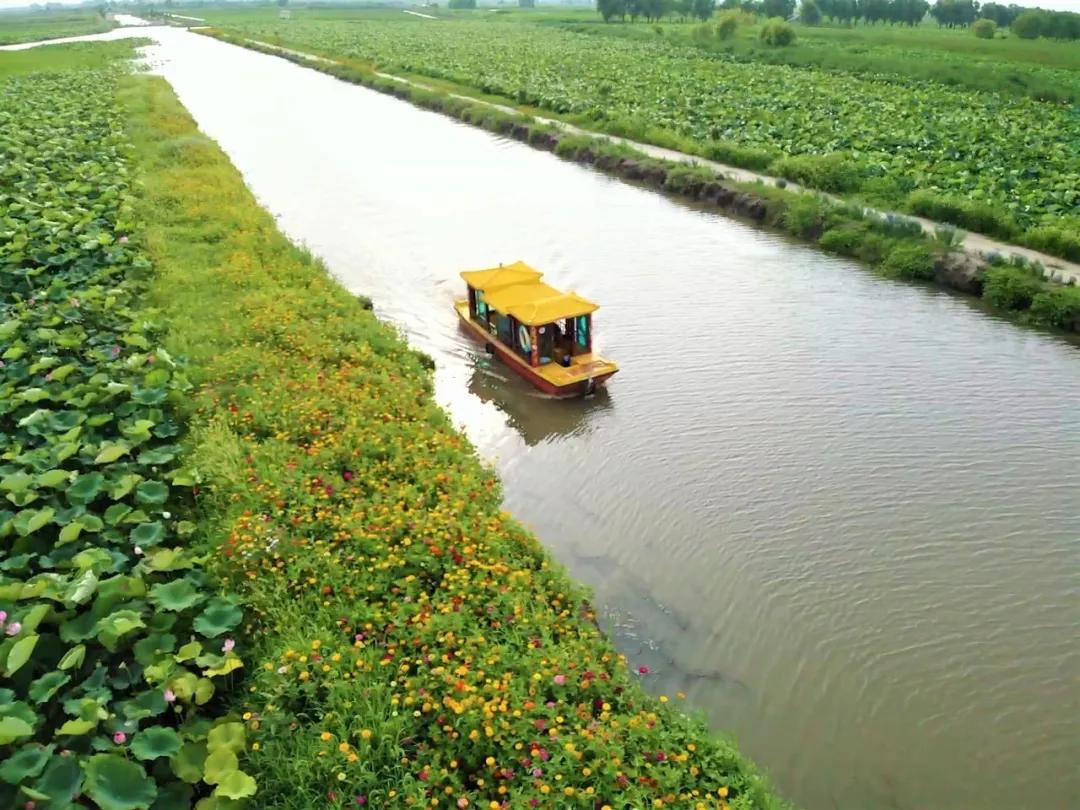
x: 841, y: 514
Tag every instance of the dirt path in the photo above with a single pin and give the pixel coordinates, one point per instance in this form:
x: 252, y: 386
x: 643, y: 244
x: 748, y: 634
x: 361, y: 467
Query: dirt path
x: 1057, y: 269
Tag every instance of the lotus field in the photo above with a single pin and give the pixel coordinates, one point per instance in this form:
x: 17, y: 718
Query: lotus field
x: 113, y: 648
x: 894, y: 135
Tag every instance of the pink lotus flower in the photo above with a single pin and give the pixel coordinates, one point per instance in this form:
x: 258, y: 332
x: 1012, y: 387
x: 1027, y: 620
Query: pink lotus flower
x: 170, y: 696
x: 228, y: 645
x: 560, y: 679
x: 13, y: 629
x: 643, y: 670
x: 119, y: 738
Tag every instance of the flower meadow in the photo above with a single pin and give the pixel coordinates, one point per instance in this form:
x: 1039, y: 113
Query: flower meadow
x: 114, y: 649
x: 406, y: 643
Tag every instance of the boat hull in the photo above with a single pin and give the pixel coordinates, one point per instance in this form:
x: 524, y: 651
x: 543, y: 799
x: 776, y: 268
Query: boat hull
x: 584, y: 384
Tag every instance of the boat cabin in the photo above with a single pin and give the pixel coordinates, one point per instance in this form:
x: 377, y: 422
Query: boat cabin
x: 542, y: 324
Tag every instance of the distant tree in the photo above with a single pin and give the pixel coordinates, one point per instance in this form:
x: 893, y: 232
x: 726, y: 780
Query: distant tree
x: 984, y: 28
x: 610, y: 9
x: 952, y: 13
x: 1028, y: 25
x: 908, y: 12
x: 683, y: 8
x: 1061, y: 25
x: 778, y: 8
x: 1000, y: 14
x: 809, y: 12
x: 704, y: 9
x: 526, y: 3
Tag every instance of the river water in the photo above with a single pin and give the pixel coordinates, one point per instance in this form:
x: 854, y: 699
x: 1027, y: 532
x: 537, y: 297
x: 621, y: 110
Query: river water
x: 841, y: 514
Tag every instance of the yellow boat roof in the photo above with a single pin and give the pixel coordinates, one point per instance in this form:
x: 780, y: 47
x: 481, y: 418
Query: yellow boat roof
x: 497, y: 278
x: 537, y: 303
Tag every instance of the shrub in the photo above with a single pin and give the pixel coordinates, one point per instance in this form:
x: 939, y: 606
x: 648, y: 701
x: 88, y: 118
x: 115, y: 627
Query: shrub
x: 727, y: 24
x: 984, y: 29
x: 1057, y: 241
x: 911, y: 261
x: 844, y: 239
x: 965, y: 213
x: 948, y: 237
x: 873, y: 247
x: 735, y: 155
x: 1011, y: 287
x: 896, y: 227
x: 686, y: 177
x: 777, y: 32
x: 825, y: 172
x: 1058, y: 307
x: 804, y: 216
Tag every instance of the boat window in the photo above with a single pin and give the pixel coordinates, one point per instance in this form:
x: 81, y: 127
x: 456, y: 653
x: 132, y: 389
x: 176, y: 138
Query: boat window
x: 481, y: 306
x: 582, y: 331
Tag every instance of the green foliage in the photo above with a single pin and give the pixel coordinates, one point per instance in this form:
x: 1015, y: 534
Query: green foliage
x: 803, y: 216
x: 974, y: 216
x: 727, y: 24
x: 1057, y: 307
x: 984, y: 29
x: 1011, y: 288
x: 1057, y: 241
x: 777, y: 31
x: 911, y: 261
x: 90, y: 481
x: 34, y: 26
x: 835, y: 173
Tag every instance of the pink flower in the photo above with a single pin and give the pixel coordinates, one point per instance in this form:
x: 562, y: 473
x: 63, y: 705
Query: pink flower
x: 347, y: 475
x: 170, y: 696
x: 361, y: 799
x: 462, y: 803
x: 119, y: 738
x: 115, y: 351
x: 560, y: 679
x: 13, y: 629
x: 228, y: 645
x: 643, y: 670
x: 3, y: 616
x: 30, y: 805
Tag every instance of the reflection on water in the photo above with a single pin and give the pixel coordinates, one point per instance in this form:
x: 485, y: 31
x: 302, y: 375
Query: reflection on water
x: 491, y: 381
x: 841, y: 514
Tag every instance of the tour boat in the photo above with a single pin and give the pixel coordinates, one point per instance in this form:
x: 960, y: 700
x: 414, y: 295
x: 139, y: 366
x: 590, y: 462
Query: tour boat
x: 543, y: 334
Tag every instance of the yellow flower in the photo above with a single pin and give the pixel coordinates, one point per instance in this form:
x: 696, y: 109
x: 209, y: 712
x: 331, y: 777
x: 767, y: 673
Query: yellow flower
x: 326, y: 736
x: 304, y: 675
x: 663, y: 698
x: 255, y: 746
x: 366, y: 733
x: 247, y: 715
x: 722, y: 792
x: 343, y: 748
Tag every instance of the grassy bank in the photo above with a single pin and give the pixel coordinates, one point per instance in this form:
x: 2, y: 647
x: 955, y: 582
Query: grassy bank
x: 115, y: 649
x: 898, y: 141
x: 38, y: 25
x: 410, y: 644
x: 893, y: 245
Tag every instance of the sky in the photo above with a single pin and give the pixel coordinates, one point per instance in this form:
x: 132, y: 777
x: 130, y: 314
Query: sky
x: 1060, y: 5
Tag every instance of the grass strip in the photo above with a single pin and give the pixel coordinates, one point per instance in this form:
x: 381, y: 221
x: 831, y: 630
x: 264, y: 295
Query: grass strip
x: 410, y: 643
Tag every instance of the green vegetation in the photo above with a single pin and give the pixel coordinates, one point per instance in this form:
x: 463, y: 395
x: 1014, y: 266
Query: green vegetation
x: 898, y: 142
x: 409, y: 641
x: 777, y: 32
x: 34, y: 26
x: 115, y: 644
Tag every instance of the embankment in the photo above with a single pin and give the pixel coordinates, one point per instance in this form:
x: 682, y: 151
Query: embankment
x: 896, y: 246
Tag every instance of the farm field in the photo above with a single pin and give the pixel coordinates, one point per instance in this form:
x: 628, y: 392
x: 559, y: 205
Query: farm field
x: 891, y: 140
x: 24, y: 27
